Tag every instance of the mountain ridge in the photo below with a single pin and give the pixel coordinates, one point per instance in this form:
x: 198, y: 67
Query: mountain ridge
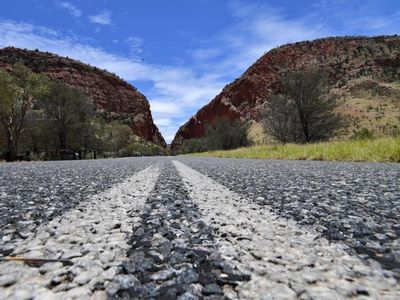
x: 345, y: 59
x: 115, y: 99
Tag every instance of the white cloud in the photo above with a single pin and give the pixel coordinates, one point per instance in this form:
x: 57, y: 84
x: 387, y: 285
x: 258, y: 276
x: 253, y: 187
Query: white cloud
x: 103, y: 18
x: 204, y: 54
x: 174, y: 94
x: 70, y: 8
x: 163, y: 122
x: 164, y: 109
x: 258, y: 28
x: 168, y: 133
x: 135, y: 44
x: 167, y: 126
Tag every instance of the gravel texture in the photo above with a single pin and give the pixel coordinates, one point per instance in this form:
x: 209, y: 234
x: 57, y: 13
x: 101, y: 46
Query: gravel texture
x: 285, y: 260
x: 173, y: 254
x: 36, y: 192
x: 92, y: 238
x: 354, y: 203
x: 191, y: 228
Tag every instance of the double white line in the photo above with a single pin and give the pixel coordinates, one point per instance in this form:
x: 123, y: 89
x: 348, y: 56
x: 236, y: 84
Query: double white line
x: 285, y: 260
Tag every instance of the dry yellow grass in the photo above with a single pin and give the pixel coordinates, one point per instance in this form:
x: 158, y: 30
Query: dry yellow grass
x: 374, y: 150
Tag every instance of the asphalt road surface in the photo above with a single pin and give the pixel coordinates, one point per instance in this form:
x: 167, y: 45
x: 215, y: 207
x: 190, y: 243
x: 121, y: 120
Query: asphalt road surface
x: 199, y: 228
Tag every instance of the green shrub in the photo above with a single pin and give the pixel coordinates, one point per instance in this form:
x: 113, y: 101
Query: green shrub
x: 143, y: 149
x: 194, y: 145
x: 224, y: 134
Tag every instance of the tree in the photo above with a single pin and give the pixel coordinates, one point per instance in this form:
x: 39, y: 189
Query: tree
x: 304, y: 112
x: 8, y: 92
x: 226, y: 134
x: 18, y: 93
x: 279, y: 119
x: 3, y: 143
x: 101, y: 140
x: 68, y: 111
x: 37, y: 135
x: 120, y: 136
x: 194, y: 145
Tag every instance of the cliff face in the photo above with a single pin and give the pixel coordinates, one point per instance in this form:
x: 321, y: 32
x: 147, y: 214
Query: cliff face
x: 115, y: 99
x: 345, y: 59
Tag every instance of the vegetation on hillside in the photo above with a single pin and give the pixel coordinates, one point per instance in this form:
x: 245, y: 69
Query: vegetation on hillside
x: 224, y: 134
x: 114, y: 98
x: 368, y: 128
x: 344, y: 58
x: 373, y: 105
x: 43, y: 119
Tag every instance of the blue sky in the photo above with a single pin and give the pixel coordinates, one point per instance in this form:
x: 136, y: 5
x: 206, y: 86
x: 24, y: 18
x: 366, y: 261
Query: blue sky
x: 181, y: 53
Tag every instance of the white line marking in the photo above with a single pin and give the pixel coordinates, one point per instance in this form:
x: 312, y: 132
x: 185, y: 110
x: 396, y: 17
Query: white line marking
x: 93, y: 235
x: 285, y: 260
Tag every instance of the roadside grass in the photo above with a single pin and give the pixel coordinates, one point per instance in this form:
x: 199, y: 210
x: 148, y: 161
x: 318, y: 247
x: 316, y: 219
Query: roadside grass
x: 370, y: 150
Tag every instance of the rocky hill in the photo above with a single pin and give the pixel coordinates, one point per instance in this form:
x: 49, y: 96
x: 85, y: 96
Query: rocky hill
x: 115, y: 99
x: 350, y: 61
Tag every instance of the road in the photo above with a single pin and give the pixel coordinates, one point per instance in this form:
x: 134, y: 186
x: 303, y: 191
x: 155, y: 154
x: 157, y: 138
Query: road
x: 200, y: 228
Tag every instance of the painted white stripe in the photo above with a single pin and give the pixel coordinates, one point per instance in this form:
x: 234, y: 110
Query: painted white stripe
x: 93, y: 236
x: 286, y: 261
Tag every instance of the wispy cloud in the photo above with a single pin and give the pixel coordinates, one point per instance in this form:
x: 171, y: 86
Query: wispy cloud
x: 73, y: 10
x: 258, y: 28
x: 103, y: 18
x: 376, y: 23
x: 135, y: 44
x: 205, y: 54
x: 175, y: 92
x: 362, y: 17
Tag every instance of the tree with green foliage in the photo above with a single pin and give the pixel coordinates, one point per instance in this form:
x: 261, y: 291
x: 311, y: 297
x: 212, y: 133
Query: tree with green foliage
x: 8, y: 93
x: 194, y: 145
x: 279, y: 119
x: 3, y: 142
x: 18, y: 92
x: 100, y: 138
x: 68, y: 112
x: 120, y: 136
x: 118, y: 140
x: 304, y: 111
x: 224, y: 134
x: 141, y: 148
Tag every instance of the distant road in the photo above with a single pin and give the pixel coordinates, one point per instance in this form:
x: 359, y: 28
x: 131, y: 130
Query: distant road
x: 190, y: 228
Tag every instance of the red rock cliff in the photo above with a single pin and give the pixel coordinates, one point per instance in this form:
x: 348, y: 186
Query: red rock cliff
x: 115, y: 99
x: 344, y: 58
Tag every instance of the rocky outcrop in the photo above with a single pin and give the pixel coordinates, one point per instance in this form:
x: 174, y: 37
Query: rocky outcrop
x: 115, y: 99
x: 344, y: 58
